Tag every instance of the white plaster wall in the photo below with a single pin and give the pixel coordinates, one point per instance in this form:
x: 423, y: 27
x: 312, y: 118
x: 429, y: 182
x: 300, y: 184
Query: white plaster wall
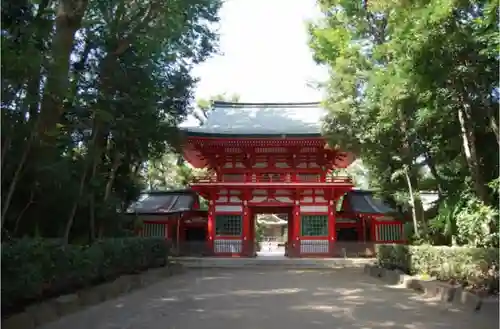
x: 284, y: 199
x: 235, y: 208
x: 257, y: 199
x: 282, y: 165
x: 260, y: 165
x: 234, y: 199
x: 316, y: 208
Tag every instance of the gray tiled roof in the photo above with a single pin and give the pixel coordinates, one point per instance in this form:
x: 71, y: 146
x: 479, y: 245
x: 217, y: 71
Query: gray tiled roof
x: 262, y: 118
x: 162, y: 203
x: 365, y: 202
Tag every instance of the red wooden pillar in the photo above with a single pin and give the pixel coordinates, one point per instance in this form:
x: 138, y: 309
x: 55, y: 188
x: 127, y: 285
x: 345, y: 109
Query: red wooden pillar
x: 362, y: 219
x: 360, y: 229
x: 296, y: 229
x: 211, y: 222
x: 246, y: 238
x: 251, y: 238
x: 373, y: 227
x: 167, y: 228
x: 332, y: 230
x: 290, y: 234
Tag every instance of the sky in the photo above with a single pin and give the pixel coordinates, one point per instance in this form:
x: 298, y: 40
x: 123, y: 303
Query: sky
x: 264, y: 56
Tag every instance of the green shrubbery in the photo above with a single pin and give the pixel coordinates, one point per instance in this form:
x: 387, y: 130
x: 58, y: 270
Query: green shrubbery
x: 466, y: 265
x: 34, y: 269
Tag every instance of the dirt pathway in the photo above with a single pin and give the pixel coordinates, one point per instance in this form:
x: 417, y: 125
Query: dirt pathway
x: 262, y: 299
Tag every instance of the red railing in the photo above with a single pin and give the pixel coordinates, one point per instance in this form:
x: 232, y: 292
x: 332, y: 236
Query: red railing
x: 270, y: 178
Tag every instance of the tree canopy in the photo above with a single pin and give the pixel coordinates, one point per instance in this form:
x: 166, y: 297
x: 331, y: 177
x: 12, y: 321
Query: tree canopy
x: 91, y: 90
x: 412, y: 91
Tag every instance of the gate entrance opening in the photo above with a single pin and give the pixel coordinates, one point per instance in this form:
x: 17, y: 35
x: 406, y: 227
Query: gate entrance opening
x: 271, y: 230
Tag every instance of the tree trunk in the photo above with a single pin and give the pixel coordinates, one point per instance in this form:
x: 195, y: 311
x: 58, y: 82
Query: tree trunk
x: 109, y: 184
x: 68, y: 20
x: 83, y: 180
x: 409, y: 157
x: 33, y: 98
x: 92, y: 233
x: 493, y: 121
x: 15, y: 180
x: 71, y: 217
x: 33, y: 93
x: 96, y: 154
x: 413, y: 203
x: 5, y: 148
x: 470, y: 151
x: 429, y: 161
x: 21, y: 214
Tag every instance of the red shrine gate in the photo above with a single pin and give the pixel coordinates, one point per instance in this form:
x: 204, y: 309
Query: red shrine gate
x: 267, y: 158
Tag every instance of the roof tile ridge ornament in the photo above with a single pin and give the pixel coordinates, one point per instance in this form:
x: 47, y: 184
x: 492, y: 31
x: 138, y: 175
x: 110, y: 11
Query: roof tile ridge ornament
x: 224, y: 104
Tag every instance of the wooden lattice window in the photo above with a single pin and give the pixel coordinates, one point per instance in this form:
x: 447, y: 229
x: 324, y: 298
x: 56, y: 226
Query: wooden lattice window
x: 153, y: 230
x: 389, y: 232
x: 314, y: 225
x: 228, y: 225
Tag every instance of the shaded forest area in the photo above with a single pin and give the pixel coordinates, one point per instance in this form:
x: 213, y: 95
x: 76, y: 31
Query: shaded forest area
x: 92, y: 91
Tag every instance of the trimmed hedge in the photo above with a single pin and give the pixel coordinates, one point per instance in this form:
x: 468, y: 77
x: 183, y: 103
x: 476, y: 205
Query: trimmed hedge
x: 36, y: 269
x: 475, y: 267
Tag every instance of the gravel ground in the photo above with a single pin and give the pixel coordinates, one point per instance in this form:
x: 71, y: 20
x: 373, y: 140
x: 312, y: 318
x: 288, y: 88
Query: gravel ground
x: 274, y: 298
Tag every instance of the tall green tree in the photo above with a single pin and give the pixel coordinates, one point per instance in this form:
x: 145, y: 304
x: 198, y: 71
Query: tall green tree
x: 411, y: 87
x: 91, y: 91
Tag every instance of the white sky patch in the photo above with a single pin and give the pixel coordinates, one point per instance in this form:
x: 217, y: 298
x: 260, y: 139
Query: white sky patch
x: 264, y: 55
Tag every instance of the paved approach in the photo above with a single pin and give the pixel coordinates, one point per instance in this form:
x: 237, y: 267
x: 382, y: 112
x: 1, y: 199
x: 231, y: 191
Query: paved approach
x: 271, y: 299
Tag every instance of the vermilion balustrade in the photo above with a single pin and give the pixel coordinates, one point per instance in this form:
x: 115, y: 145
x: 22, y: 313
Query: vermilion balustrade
x: 271, y: 178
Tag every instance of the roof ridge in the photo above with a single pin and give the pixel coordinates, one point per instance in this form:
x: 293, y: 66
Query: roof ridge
x: 276, y: 105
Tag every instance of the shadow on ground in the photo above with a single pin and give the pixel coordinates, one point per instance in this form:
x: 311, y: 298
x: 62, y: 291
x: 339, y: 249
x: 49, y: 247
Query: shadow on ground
x: 245, y: 298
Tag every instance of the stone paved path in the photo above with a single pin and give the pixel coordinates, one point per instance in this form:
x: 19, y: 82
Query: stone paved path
x: 274, y: 299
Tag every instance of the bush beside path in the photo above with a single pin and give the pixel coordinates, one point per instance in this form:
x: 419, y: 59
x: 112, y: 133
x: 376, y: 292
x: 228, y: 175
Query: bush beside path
x: 35, y: 270
x: 474, y: 269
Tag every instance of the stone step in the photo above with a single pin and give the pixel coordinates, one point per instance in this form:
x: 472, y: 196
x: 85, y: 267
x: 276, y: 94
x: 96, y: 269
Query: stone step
x: 273, y: 262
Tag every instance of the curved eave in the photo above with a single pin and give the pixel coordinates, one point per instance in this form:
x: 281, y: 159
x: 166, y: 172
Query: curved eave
x: 169, y: 215
x: 196, y: 159
x: 234, y: 135
x: 204, y: 188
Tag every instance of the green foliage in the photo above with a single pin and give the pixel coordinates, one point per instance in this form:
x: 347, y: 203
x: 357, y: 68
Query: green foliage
x: 203, y: 203
x: 411, y: 92
x: 259, y: 232
x: 477, y: 224
x: 465, y: 220
x: 82, y: 116
x: 445, y: 223
x: 170, y: 170
x: 468, y: 266
x: 259, y: 235
x: 34, y: 269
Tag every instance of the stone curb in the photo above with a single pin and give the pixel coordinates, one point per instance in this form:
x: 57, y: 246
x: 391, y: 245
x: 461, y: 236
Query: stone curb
x: 448, y: 295
x: 53, y: 309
